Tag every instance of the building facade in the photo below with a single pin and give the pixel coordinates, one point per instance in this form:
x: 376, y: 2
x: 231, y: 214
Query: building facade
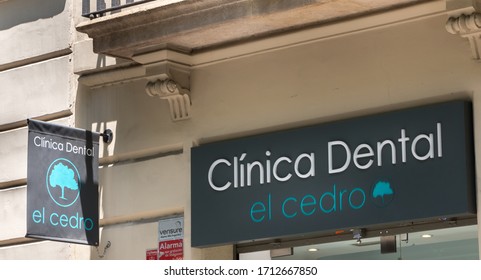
x: 37, y: 82
x: 169, y: 76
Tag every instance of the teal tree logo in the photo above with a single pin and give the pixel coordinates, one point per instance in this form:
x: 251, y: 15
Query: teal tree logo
x: 382, y: 193
x: 63, y: 182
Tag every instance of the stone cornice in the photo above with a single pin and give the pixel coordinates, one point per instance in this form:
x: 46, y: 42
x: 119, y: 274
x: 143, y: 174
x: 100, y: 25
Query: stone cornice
x: 192, y: 26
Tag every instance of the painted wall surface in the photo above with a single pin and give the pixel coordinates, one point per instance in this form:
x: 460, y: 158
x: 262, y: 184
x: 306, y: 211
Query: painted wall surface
x: 13, y: 212
x: 29, y: 28
x: 378, y: 70
x: 11, y: 151
x: 44, y: 250
x: 47, y: 83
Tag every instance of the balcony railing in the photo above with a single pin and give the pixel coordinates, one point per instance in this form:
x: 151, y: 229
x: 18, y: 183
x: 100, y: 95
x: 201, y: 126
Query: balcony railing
x: 97, y: 8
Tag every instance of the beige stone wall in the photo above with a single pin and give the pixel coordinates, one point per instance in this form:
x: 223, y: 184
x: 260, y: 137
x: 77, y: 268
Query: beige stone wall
x: 37, y: 81
x: 33, y: 31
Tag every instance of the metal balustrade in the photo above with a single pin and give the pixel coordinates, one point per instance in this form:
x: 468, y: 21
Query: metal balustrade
x: 97, y: 8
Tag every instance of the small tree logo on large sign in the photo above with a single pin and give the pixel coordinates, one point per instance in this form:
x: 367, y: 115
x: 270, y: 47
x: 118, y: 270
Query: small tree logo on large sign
x: 382, y: 193
x: 63, y: 182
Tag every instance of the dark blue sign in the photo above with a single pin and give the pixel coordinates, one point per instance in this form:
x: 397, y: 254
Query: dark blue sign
x: 409, y: 165
x: 62, y: 183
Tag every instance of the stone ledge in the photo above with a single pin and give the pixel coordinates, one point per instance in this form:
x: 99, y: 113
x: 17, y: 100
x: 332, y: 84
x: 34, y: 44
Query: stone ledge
x: 193, y: 26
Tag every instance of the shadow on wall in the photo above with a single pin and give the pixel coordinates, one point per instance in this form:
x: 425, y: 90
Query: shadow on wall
x: 13, y: 13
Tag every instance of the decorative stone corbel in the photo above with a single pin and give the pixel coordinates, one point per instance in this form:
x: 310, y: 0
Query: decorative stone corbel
x: 178, y: 98
x: 171, y: 81
x: 465, y: 21
x: 467, y: 26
